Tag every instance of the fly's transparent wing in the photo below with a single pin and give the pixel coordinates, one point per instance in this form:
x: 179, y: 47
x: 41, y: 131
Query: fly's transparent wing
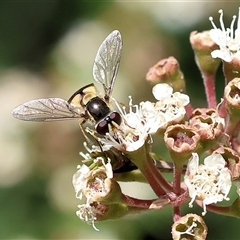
x: 107, y: 61
x: 47, y: 109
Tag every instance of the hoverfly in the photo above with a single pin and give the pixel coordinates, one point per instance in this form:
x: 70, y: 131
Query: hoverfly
x: 85, y: 104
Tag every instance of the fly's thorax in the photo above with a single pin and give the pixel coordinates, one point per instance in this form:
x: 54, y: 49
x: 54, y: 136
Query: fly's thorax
x: 81, y: 97
x: 87, y: 97
x: 97, y: 108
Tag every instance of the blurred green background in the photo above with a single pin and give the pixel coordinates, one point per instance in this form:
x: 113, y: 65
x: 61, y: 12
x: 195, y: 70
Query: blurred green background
x: 47, y: 49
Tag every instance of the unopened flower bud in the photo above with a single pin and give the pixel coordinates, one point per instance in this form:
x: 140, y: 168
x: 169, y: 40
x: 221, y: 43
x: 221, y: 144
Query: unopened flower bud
x: 227, y: 38
x: 232, y: 160
x: 190, y: 226
x: 167, y: 71
x: 210, y: 126
x: 181, y: 141
x: 203, y: 45
x: 232, y: 99
x: 231, y: 69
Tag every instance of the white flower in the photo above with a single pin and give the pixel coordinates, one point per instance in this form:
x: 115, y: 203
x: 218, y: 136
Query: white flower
x: 152, y: 118
x: 227, y: 39
x: 146, y: 118
x: 91, y: 182
x: 162, y: 91
x: 87, y: 213
x: 79, y: 180
x: 171, y: 106
x: 84, y: 175
x: 131, y: 134
x: 209, y: 182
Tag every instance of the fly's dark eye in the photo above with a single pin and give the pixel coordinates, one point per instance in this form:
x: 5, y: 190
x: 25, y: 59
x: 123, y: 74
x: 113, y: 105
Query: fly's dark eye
x: 115, y: 117
x: 102, y: 127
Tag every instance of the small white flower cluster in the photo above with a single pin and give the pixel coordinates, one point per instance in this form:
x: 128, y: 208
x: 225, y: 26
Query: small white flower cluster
x: 170, y: 105
x: 82, y: 187
x: 141, y: 121
x: 147, y: 118
x: 87, y: 213
x: 227, y: 39
x: 209, y: 182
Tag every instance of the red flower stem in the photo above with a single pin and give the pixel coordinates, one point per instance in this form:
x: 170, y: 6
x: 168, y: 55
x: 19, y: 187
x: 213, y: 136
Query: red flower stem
x: 142, y: 159
x: 150, y: 176
x: 222, y: 111
x: 209, y: 84
x: 140, y: 203
x: 232, y: 127
x: 177, y: 173
x: 160, y: 179
x: 176, y: 213
x: 177, y: 201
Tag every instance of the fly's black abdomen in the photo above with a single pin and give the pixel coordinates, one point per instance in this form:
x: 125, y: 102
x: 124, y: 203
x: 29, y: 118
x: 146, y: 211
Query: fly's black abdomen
x: 97, y: 108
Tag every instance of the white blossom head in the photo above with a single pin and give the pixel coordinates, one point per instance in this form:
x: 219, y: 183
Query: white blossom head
x: 91, y: 182
x: 147, y: 118
x: 131, y: 134
x: 87, y: 213
x: 227, y: 39
x: 170, y: 105
x: 209, y: 182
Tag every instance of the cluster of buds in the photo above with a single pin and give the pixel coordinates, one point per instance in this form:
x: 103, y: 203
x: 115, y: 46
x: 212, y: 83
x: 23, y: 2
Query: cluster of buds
x: 202, y: 143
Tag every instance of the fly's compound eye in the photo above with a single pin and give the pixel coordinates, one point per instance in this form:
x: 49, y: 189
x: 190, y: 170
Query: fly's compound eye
x: 103, y: 126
